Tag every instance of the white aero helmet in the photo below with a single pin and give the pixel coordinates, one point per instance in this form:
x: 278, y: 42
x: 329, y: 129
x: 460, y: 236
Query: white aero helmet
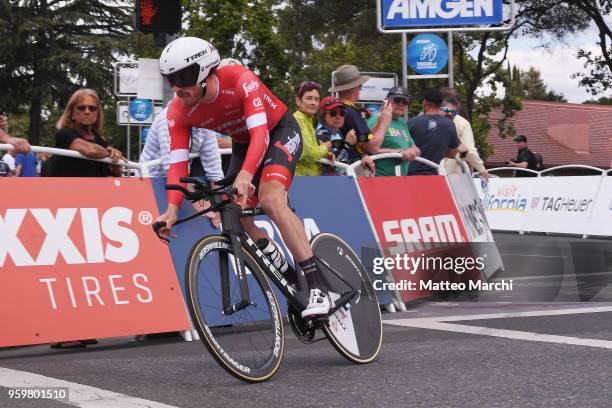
x: 187, y: 61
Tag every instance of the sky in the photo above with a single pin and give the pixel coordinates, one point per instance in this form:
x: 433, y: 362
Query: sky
x: 557, y: 63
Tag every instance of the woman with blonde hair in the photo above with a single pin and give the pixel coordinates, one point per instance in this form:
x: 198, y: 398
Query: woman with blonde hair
x: 79, y: 129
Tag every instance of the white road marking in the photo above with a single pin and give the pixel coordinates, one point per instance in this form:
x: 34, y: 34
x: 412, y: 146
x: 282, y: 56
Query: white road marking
x: 79, y: 395
x: 440, y: 323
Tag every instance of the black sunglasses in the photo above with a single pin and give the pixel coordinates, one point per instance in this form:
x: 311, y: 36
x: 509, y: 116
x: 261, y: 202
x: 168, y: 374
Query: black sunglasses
x: 82, y: 108
x: 335, y: 112
x: 185, y: 77
x: 400, y: 101
x: 449, y: 110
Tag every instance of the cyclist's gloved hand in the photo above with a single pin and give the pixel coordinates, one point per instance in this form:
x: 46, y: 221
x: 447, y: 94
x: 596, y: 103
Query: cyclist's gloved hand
x: 169, y: 217
x: 244, y: 187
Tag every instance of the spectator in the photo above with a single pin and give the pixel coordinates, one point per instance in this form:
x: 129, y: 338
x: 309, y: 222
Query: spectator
x: 342, y: 147
x: 525, y: 158
x: 450, y: 108
x: 25, y: 164
x: 434, y: 134
x: 5, y: 170
x: 397, y: 136
x: 79, y: 129
x: 307, y: 102
x: 9, y: 159
x: 21, y: 145
x: 203, y: 141
x: 347, y: 83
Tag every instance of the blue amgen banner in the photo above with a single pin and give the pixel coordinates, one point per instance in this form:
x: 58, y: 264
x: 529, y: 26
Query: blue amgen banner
x: 398, y: 14
x: 427, y: 54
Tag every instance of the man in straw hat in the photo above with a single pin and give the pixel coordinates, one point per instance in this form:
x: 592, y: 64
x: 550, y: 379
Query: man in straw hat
x: 347, y: 81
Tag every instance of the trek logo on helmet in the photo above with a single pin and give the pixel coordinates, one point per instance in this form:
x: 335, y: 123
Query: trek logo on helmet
x: 195, y: 56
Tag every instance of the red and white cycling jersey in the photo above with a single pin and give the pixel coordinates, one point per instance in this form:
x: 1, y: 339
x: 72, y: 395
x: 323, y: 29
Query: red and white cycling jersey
x: 244, y: 109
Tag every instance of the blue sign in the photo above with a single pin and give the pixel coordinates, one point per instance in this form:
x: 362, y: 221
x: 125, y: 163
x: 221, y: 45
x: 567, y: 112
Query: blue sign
x: 144, y: 132
x: 400, y: 14
x: 427, y: 54
x: 374, y: 108
x: 141, y: 109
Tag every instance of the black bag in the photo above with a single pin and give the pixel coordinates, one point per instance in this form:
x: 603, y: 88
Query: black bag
x: 539, y: 161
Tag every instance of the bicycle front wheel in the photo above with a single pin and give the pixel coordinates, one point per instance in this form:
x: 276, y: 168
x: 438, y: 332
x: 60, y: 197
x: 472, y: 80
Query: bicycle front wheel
x: 249, y: 343
x: 355, y: 331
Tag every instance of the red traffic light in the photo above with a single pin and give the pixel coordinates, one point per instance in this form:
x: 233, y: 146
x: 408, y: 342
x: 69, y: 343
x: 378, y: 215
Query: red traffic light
x: 158, y: 16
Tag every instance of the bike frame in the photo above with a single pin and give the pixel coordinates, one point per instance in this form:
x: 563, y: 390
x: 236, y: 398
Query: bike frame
x: 232, y: 229
x: 296, y: 295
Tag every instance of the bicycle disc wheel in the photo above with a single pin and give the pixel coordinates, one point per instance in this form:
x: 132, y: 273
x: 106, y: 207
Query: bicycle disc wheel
x: 356, y: 332
x: 249, y: 343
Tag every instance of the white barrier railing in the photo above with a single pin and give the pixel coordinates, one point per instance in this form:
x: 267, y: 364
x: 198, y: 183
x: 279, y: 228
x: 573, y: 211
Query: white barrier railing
x: 75, y: 154
x: 350, y: 168
x: 549, y: 170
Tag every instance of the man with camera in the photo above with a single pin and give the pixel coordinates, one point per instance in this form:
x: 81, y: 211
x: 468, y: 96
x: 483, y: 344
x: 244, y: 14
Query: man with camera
x: 397, y: 137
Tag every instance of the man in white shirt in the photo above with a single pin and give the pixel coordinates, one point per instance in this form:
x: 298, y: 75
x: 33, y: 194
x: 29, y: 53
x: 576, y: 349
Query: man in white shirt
x: 203, y: 141
x: 450, y: 108
x: 157, y: 146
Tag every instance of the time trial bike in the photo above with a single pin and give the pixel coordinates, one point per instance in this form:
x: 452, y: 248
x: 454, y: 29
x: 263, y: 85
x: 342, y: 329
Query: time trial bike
x: 236, y: 311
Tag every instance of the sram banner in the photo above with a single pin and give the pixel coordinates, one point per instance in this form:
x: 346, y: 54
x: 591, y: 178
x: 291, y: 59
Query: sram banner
x: 83, y: 262
x: 416, y: 216
x: 475, y: 222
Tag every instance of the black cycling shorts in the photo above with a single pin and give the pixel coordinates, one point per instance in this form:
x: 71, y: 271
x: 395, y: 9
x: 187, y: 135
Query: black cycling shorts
x: 280, y: 160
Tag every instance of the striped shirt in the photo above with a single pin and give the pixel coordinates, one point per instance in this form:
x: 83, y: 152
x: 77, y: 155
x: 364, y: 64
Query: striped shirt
x: 203, y: 141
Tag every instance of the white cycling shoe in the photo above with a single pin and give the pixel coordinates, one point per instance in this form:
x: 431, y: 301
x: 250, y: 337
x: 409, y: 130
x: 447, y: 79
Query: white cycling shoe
x: 318, y: 304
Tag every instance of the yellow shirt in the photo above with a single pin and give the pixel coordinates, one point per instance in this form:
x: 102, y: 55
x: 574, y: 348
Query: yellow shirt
x: 312, y: 151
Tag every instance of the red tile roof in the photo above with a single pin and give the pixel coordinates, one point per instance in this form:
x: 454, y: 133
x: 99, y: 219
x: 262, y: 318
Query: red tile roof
x: 563, y: 133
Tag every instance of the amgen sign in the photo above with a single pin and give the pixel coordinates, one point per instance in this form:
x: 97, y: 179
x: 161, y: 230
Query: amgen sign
x: 397, y: 14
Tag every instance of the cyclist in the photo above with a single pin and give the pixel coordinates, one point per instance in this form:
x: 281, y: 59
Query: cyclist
x: 266, y: 144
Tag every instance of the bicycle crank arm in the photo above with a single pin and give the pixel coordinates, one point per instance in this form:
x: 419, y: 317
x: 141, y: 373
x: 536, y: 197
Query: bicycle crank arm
x: 344, y: 301
x: 237, y: 307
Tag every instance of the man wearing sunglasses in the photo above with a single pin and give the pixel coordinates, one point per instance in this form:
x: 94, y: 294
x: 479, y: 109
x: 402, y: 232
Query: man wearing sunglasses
x: 397, y: 137
x: 347, y: 82
x: 266, y: 144
x: 450, y: 108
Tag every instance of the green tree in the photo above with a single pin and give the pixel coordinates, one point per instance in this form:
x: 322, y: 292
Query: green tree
x: 534, y: 88
x: 598, y: 78
x: 243, y: 29
x: 49, y: 48
x: 601, y: 101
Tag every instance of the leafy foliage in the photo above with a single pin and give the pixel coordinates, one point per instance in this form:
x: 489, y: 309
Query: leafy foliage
x: 50, y: 48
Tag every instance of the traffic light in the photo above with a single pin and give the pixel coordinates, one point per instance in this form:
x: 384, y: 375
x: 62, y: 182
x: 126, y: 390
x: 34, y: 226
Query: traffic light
x: 158, y: 16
